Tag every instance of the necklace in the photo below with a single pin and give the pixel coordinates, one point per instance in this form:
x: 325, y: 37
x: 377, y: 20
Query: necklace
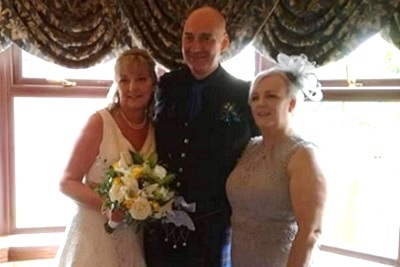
x: 132, y: 125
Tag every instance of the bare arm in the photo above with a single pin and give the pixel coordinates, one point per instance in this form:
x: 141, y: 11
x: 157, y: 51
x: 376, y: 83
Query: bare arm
x: 308, y: 192
x: 83, y: 155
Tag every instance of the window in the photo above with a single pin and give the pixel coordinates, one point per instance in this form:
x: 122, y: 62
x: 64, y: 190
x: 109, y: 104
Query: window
x: 246, y: 57
x: 45, y: 131
x: 356, y: 127
x: 359, y: 141
x: 32, y: 67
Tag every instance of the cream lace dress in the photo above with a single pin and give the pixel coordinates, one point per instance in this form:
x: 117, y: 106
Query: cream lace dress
x: 86, y: 243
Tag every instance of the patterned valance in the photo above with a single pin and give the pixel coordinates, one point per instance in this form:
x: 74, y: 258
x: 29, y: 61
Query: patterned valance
x: 78, y: 34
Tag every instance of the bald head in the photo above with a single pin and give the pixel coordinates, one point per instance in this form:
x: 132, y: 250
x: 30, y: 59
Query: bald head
x: 207, y: 14
x: 204, y: 38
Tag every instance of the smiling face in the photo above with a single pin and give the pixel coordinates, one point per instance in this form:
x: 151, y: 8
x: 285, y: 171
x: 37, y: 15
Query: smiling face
x: 203, y: 40
x: 135, y: 82
x: 270, y: 103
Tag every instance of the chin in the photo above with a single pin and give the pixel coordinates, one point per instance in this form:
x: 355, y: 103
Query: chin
x: 264, y: 125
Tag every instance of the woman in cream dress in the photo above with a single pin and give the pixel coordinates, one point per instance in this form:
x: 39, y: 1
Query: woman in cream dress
x: 122, y: 127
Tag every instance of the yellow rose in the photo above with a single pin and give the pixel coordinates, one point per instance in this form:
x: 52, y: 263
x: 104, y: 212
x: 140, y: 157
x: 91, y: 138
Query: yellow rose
x: 137, y: 172
x: 155, y: 206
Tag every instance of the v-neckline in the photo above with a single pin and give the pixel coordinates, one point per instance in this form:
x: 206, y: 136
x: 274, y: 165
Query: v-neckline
x: 126, y: 139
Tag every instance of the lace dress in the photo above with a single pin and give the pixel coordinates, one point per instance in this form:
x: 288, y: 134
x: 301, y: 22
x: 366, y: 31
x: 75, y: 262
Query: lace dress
x: 86, y: 243
x: 263, y: 222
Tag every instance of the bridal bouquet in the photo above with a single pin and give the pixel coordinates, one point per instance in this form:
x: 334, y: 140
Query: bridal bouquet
x: 144, y: 191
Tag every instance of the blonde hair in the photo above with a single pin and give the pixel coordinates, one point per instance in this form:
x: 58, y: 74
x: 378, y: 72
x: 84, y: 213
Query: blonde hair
x: 142, y: 57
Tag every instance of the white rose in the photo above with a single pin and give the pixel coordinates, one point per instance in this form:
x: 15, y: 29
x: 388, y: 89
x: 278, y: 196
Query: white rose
x: 163, y: 192
x: 117, y: 192
x: 140, y: 209
x: 160, y: 171
x: 125, y: 159
x: 150, y: 189
x: 131, y: 184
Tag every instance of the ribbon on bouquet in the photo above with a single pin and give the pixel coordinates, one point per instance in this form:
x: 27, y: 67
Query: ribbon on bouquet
x: 179, y: 216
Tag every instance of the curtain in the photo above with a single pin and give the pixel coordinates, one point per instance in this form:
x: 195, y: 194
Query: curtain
x: 158, y: 24
x: 82, y: 33
x: 326, y: 30
x: 72, y: 33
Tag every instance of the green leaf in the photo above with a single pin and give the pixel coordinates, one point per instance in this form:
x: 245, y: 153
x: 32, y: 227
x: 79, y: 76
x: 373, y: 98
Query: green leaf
x: 167, y: 179
x: 153, y: 159
x: 137, y: 158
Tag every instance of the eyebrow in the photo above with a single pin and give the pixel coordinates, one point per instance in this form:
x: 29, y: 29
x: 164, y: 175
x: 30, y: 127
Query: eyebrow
x: 203, y: 34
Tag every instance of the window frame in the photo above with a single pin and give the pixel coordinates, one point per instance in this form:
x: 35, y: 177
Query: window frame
x: 12, y: 85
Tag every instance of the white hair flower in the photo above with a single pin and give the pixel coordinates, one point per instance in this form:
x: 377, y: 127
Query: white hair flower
x: 302, y: 69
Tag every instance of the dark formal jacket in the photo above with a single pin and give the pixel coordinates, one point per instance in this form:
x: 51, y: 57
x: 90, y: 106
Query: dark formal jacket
x: 201, y: 148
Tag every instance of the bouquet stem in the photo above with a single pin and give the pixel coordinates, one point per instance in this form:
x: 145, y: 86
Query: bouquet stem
x: 110, y: 226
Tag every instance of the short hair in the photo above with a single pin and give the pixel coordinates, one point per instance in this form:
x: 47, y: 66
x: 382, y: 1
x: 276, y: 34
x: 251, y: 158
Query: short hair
x: 293, y: 84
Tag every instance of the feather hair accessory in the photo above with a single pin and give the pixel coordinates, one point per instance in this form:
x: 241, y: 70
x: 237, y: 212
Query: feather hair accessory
x: 302, y: 69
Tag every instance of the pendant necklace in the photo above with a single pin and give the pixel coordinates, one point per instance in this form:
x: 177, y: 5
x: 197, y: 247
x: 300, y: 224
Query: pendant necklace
x: 132, y: 125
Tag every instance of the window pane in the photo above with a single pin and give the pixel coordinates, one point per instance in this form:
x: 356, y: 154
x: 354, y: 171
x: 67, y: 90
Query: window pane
x: 45, y: 131
x: 360, y: 143
x: 383, y: 63
x: 32, y: 67
x: 242, y: 65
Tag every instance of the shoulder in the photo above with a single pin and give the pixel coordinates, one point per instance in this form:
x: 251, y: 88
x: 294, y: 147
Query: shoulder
x: 94, y: 124
x: 252, y: 144
x: 174, y: 76
x: 305, y: 154
x: 299, y: 143
x: 234, y: 81
x: 92, y: 132
x: 170, y: 82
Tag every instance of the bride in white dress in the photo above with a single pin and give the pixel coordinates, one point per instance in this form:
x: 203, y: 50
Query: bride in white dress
x: 125, y: 125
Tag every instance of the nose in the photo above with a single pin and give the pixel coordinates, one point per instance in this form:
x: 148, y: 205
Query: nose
x: 196, y: 45
x: 259, y: 101
x: 132, y: 86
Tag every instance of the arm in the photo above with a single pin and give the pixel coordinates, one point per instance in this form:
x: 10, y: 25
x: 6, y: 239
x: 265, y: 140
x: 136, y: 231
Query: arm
x: 308, y: 192
x: 83, y: 155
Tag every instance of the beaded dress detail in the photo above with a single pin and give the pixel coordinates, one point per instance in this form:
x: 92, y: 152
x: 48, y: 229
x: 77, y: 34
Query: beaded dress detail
x: 263, y: 222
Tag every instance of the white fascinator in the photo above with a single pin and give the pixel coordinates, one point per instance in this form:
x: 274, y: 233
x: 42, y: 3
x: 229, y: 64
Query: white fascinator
x: 302, y: 69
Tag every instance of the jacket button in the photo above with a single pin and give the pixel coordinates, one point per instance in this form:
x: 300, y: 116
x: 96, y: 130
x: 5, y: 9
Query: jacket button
x: 180, y: 170
x: 186, y: 141
x: 183, y: 155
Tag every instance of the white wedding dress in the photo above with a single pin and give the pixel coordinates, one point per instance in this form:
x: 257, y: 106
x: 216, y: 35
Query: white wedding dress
x: 86, y: 243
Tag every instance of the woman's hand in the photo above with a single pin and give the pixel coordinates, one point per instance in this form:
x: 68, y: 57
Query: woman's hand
x: 115, y: 216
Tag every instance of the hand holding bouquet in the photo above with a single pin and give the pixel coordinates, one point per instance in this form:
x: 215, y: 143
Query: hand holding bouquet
x: 144, y: 191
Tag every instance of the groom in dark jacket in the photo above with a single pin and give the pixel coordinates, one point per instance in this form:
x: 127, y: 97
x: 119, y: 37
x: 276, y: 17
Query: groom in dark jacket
x: 203, y: 123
